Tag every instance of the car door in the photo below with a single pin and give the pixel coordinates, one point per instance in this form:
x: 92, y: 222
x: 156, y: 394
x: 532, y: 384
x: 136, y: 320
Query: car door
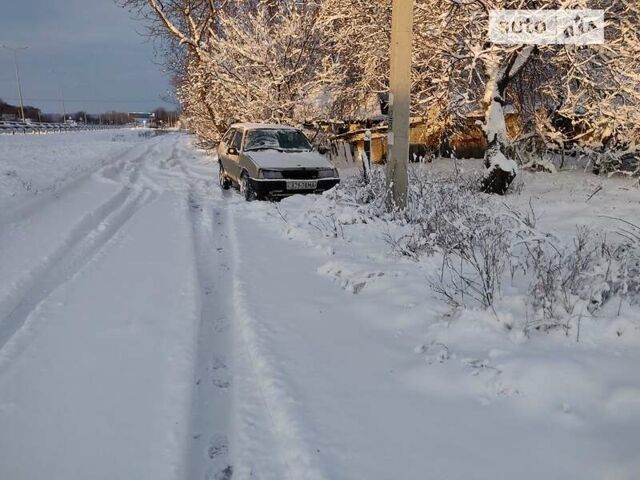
x: 223, y: 147
x: 233, y: 154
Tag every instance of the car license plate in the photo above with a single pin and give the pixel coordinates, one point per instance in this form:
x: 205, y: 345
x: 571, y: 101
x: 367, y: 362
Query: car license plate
x: 302, y: 185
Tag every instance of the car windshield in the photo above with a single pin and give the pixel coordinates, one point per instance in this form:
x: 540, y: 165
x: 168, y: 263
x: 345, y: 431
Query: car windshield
x: 270, y: 139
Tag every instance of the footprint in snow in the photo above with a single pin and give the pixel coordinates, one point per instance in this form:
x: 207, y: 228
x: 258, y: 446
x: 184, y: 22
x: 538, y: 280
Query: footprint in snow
x: 225, y: 474
x: 220, y: 375
x: 218, y: 446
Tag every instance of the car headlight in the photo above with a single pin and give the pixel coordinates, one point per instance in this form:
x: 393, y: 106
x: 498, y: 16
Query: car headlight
x: 270, y: 174
x: 328, y: 173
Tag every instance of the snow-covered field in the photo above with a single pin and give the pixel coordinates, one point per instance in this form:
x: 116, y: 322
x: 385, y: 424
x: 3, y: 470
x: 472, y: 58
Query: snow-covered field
x: 35, y: 165
x: 155, y: 327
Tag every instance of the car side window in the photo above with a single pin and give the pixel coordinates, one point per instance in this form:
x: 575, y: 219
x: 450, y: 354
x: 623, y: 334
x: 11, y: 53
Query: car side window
x: 237, y: 140
x: 227, y: 136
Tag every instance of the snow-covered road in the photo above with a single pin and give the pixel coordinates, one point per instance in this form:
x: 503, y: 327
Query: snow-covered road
x: 113, y: 298
x: 155, y: 327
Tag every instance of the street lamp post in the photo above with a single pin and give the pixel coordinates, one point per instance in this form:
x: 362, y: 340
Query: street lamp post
x: 64, y: 109
x: 60, y: 80
x: 400, y: 101
x: 15, y: 61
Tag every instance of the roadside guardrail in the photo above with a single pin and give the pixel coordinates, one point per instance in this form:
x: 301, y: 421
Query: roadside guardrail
x: 12, y: 128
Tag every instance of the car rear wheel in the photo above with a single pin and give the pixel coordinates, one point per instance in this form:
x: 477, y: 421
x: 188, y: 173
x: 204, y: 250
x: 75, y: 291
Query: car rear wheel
x: 225, y: 183
x: 246, y: 190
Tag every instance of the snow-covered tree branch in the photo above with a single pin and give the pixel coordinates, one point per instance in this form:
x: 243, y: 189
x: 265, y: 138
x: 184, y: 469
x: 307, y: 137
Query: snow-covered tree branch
x: 287, y: 60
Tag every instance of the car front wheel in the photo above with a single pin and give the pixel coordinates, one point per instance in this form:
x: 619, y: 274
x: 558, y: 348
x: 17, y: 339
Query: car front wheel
x: 246, y: 190
x: 225, y: 183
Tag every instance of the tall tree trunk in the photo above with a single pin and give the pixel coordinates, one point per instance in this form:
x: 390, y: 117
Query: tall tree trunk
x: 501, y: 171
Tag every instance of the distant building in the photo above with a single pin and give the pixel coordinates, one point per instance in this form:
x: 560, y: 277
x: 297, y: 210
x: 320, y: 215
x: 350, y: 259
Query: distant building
x: 142, y: 119
x: 346, y: 139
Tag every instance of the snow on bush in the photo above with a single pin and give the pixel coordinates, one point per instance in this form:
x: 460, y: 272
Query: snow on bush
x: 570, y: 281
x: 490, y: 254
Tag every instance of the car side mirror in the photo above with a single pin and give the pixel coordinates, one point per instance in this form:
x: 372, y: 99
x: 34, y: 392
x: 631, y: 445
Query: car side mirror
x: 232, y: 151
x: 322, y: 150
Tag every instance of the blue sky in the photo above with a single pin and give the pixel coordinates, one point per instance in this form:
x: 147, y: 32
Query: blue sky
x: 91, y: 49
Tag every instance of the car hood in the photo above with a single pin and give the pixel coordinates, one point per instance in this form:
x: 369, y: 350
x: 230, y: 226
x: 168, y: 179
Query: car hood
x: 272, y: 159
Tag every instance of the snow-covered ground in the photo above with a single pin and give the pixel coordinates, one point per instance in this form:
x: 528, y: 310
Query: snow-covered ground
x: 101, y: 304
x: 155, y: 327
x: 37, y: 165
x: 385, y: 380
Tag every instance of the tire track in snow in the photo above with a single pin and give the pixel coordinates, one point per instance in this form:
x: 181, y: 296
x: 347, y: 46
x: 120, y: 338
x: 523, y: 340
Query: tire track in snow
x: 202, y: 182
x: 259, y: 385
x: 208, y: 453
x: 129, y: 171
x: 42, y: 201
x: 114, y: 173
x: 84, y: 242
x: 296, y: 458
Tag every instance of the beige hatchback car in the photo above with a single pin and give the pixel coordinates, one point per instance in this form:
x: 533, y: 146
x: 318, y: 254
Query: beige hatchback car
x: 271, y: 161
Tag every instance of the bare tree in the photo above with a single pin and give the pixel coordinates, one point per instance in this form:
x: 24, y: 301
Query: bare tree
x: 457, y: 69
x: 242, y: 60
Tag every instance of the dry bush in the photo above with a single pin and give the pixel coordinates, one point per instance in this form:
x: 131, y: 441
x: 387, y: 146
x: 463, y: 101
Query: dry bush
x: 567, y: 282
x: 444, y: 216
x: 485, y: 245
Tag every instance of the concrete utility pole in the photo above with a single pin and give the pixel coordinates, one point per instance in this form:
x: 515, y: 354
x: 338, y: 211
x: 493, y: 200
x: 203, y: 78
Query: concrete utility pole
x: 15, y: 61
x: 400, y: 100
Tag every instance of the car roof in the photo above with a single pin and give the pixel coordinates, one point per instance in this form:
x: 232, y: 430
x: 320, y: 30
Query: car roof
x: 262, y: 126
